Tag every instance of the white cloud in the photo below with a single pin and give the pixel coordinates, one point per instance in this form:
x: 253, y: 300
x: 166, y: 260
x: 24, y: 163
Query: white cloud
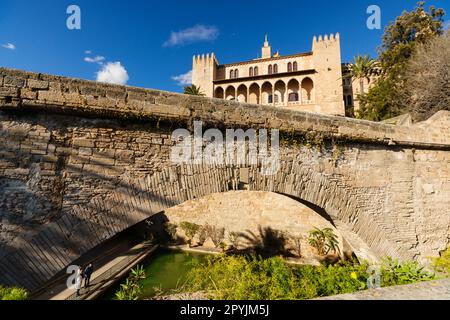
x: 97, y: 59
x: 113, y: 72
x: 194, y: 34
x: 9, y: 46
x: 88, y: 52
x: 184, y: 79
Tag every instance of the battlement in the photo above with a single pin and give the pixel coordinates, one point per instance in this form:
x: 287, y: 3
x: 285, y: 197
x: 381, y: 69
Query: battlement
x: 326, y: 37
x: 208, y: 59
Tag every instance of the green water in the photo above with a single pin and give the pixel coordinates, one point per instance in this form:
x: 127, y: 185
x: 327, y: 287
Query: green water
x: 165, y: 269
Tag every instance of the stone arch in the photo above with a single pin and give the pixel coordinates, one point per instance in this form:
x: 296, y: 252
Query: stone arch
x: 242, y: 93
x: 267, y: 93
x: 279, y: 92
x: 134, y: 200
x: 307, y: 91
x: 230, y: 93
x: 219, y: 93
x: 293, y: 91
x: 254, y: 93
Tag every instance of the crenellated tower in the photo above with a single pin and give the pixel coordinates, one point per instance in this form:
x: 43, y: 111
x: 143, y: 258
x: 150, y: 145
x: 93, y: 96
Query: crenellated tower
x: 204, y: 71
x: 327, y: 63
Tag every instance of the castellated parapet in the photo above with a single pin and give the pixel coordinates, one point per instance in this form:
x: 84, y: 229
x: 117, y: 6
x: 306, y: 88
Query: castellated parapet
x: 310, y: 81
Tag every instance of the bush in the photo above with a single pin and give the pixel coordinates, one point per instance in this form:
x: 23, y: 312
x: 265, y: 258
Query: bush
x: 190, y: 229
x: 252, y: 278
x: 13, y: 293
x: 394, y: 273
x: 171, y: 230
x: 217, y: 235
x: 442, y: 264
x: 323, y: 240
x: 241, y: 278
x: 132, y: 289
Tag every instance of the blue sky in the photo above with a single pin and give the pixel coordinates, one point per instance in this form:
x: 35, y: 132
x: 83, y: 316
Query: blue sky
x: 155, y: 40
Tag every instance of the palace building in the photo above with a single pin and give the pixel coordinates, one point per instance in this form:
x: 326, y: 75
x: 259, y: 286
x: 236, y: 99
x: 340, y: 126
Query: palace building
x: 310, y: 81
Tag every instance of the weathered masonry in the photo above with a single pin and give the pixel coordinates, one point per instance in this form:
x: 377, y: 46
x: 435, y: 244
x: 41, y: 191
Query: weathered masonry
x: 81, y: 161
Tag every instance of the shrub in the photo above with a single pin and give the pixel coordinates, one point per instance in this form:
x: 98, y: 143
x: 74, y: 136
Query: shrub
x: 442, y: 264
x: 13, y: 293
x: 190, y: 229
x: 323, y: 240
x: 394, y: 273
x: 171, y: 230
x: 233, y: 237
x: 132, y: 289
x: 217, y: 235
x: 242, y: 278
x: 297, y: 240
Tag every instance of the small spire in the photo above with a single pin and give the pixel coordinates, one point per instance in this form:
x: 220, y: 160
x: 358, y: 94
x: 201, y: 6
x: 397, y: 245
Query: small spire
x: 266, y: 38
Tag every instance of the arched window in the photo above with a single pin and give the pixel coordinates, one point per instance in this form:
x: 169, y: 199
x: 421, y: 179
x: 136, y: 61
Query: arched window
x: 250, y: 72
x: 295, y: 66
x: 236, y: 73
x: 231, y: 74
x: 255, y: 71
x: 270, y: 69
x: 290, y: 67
x: 275, y: 68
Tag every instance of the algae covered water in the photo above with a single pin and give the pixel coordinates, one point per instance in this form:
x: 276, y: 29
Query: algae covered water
x: 166, y: 270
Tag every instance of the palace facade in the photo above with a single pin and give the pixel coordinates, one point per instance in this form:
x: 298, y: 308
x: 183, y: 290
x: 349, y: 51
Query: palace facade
x: 310, y: 81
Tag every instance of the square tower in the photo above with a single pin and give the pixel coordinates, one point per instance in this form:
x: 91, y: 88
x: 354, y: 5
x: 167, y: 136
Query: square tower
x: 204, y: 71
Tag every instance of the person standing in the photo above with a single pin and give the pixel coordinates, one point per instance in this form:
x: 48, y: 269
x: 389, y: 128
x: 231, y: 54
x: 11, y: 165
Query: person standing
x: 87, y: 275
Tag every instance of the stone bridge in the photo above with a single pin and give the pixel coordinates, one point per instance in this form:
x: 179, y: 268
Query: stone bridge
x: 82, y: 161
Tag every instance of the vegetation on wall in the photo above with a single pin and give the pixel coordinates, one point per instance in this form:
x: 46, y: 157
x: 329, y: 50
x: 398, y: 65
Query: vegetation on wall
x: 13, y: 293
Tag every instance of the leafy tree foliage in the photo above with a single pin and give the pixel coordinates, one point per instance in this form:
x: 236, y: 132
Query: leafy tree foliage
x: 324, y: 240
x: 400, y: 40
x: 193, y: 90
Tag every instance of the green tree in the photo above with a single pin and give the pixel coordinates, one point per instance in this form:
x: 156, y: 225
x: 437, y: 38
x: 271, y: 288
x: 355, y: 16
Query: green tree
x: 193, y: 90
x: 410, y: 29
x: 399, y: 42
x: 323, y: 240
x: 363, y: 67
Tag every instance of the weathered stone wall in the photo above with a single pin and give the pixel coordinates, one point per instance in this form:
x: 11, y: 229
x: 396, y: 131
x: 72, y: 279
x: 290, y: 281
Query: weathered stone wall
x: 82, y: 161
x: 253, y: 214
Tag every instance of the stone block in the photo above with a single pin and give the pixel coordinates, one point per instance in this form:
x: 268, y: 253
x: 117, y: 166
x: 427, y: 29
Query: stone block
x: 38, y: 84
x: 11, y: 81
x: 83, y: 142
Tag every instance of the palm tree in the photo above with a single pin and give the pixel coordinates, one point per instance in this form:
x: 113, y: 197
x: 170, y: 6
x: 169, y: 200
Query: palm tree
x: 193, y: 90
x: 324, y: 240
x: 364, y: 67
